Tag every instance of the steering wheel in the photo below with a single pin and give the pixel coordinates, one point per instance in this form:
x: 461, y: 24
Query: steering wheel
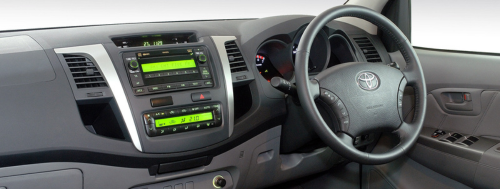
x: 363, y: 97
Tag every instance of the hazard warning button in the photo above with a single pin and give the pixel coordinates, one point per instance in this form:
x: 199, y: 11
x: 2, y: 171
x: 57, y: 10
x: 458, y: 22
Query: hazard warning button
x: 201, y: 96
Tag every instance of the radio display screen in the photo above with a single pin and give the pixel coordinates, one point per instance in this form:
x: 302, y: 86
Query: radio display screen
x: 192, y: 118
x: 168, y: 65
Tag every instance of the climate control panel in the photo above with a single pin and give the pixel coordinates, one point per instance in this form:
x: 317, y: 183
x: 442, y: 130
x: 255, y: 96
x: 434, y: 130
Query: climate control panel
x: 184, y: 119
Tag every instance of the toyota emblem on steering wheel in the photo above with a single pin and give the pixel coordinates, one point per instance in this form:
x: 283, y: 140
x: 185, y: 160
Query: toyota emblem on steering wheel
x: 368, y: 81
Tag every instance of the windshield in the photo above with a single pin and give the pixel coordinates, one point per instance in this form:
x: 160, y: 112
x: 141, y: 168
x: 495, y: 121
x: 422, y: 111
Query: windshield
x: 29, y: 14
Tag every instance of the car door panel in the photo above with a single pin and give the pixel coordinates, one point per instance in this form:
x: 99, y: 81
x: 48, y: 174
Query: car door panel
x: 454, y: 73
x: 449, y: 76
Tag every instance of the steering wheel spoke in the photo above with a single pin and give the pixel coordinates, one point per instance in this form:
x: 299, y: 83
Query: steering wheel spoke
x: 314, y: 91
x: 345, y: 139
x: 405, y: 131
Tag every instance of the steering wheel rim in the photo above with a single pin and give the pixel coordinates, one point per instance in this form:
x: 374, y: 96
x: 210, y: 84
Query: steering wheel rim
x: 309, y: 90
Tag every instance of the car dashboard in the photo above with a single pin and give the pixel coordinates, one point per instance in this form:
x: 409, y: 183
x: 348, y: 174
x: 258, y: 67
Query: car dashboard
x: 164, y: 104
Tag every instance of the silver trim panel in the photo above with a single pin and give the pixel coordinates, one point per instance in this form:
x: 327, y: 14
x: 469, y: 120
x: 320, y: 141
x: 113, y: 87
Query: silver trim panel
x: 221, y: 49
x: 99, y: 53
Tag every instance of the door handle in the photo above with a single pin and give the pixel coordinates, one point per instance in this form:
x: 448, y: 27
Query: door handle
x: 459, y: 101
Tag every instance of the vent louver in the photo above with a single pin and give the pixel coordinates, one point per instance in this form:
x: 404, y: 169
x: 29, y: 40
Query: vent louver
x: 368, y: 49
x: 84, y: 72
x: 236, y: 61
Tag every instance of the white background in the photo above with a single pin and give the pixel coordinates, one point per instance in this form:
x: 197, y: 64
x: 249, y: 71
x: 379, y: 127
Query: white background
x: 443, y: 24
x: 470, y: 25
x: 23, y: 14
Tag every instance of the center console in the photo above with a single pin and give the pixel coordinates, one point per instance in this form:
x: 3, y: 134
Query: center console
x: 178, y: 95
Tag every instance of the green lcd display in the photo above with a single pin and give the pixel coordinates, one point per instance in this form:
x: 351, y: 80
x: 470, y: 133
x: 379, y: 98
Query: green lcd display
x: 168, y: 65
x: 193, y: 118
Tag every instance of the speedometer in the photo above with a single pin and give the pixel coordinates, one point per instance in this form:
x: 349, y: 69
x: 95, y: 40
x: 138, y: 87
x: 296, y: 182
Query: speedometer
x: 319, y: 53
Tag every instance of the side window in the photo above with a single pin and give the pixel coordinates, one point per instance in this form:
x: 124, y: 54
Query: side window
x: 456, y: 25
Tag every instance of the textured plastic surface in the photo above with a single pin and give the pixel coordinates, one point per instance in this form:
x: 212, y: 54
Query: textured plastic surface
x: 63, y: 179
x: 445, y: 164
x: 488, y: 169
x: 276, y: 168
x: 406, y: 173
x: 23, y: 62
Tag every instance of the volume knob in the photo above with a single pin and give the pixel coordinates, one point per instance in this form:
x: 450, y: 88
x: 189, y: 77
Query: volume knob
x: 202, y: 58
x: 133, y: 65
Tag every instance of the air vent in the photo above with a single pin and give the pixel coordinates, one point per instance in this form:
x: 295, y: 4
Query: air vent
x: 368, y: 49
x: 236, y: 61
x: 84, y: 72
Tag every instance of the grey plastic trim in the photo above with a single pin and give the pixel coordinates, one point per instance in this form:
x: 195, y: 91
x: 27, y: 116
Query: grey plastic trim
x: 221, y: 50
x: 109, y: 71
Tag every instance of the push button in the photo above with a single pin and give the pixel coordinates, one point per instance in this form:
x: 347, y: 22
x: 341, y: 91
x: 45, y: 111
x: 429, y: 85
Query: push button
x: 209, y: 83
x: 152, y: 89
x: 438, y: 133
x: 201, y: 96
x: 169, y: 86
x: 150, y: 130
x: 345, y: 122
x: 136, y: 80
x: 208, y: 125
x: 148, y: 119
x: 159, y: 114
x: 172, y: 112
x: 176, y: 129
x: 196, y: 109
x: 457, y: 135
x: 139, y: 90
x: 216, y: 107
x: 218, y: 120
x: 185, y: 110
x: 182, y: 85
x: 197, y: 126
x: 194, y: 84
x: 186, y: 128
x: 207, y: 108
x: 205, y: 73
x: 163, y: 131
x: 328, y: 96
x: 473, y: 139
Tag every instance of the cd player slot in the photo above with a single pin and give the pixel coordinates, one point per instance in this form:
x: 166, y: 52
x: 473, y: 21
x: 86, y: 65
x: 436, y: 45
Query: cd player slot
x: 145, y: 60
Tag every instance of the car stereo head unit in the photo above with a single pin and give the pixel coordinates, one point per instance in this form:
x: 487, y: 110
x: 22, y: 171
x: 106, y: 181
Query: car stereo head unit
x: 168, y: 70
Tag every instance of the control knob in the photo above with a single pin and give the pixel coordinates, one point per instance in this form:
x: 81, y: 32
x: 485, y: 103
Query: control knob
x: 133, y: 65
x: 202, y: 58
